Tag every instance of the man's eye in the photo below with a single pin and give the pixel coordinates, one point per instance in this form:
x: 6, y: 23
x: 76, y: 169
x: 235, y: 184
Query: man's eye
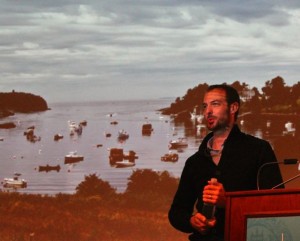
x: 215, y: 103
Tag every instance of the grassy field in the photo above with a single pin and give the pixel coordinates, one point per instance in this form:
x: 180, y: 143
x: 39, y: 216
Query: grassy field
x: 72, y: 218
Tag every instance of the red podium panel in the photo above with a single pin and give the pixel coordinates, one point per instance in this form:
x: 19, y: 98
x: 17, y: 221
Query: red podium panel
x: 262, y: 203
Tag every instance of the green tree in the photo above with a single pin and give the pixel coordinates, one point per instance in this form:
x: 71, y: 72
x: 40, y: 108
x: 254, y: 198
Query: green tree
x: 240, y: 87
x: 149, y: 181
x: 295, y: 97
x: 275, y: 92
x: 93, y: 186
x: 151, y: 190
x: 254, y: 104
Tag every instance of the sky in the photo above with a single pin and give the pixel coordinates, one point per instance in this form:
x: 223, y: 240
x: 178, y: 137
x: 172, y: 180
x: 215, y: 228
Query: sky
x: 93, y: 50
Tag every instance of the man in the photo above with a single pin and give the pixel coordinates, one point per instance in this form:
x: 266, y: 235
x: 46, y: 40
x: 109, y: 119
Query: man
x: 227, y: 154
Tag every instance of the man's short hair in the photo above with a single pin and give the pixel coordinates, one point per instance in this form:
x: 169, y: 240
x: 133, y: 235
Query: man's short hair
x: 232, y: 95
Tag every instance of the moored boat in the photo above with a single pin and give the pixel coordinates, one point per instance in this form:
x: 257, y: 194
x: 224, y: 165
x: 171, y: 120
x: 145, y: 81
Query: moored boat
x: 115, y: 155
x: 124, y: 163
x: 58, y: 137
x: 73, y: 157
x: 181, y: 142
x: 123, y: 135
x: 170, y: 157
x: 289, y: 129
x: 147, y: 129
x: 14, y: 182
x: 75, y: 128
x: 49, y: 168
x: 198, y: 118
x: 118, y: 158
x: 131, y: 156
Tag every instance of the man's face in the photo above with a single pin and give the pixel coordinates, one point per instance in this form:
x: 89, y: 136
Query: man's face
x: 216, y: 110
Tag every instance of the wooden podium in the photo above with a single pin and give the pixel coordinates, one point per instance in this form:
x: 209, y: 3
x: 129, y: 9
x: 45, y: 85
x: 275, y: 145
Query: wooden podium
x: 242, y: 206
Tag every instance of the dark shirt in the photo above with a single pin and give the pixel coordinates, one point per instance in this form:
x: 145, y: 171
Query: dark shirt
x: 237, y: 170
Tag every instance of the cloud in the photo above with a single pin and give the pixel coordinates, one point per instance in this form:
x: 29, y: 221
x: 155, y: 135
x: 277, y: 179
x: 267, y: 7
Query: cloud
x: 145, y: 45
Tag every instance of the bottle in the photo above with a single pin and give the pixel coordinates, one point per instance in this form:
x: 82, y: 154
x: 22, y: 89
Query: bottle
x: 208, y: 209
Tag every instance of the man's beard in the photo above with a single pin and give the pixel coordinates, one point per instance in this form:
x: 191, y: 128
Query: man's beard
x: 222, y: 124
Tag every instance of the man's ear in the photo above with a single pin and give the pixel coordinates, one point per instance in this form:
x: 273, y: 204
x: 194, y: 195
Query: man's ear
x: 234, y: 107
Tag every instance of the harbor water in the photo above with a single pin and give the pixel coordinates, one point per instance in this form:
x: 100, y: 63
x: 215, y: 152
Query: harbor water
x: 18, y: 155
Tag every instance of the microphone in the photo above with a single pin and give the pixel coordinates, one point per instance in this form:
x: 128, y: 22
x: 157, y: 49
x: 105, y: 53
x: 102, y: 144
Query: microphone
x: 285, y: 162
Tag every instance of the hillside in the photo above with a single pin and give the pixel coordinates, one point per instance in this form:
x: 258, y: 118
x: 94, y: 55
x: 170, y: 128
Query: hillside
x: 11, y: 102
x: 275, y: 97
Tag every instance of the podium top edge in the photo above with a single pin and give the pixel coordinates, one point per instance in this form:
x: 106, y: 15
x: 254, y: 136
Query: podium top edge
x: 263, y: 192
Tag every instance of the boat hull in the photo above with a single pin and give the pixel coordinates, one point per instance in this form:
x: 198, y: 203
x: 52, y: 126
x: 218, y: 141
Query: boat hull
x: 12, y: 183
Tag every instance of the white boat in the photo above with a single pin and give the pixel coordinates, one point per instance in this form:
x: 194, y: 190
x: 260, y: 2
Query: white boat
x: 196, y: 117
x: 14, y: 182
x: 124, y: 163
x: 201, y: 130
x: 73, y: 157
x: 180, y: 142
x: 74, y: 128
x: 289, y: 129
x: 123, y: 135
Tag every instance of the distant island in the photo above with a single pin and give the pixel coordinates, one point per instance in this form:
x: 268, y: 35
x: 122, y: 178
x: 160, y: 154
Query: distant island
x: 11, y: 102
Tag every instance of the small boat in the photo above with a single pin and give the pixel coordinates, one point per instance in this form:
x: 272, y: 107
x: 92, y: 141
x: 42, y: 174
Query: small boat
x: 201, y: 130
x: 74, y: 128
x: 111, y: 114
x: 147, y: 129
x: 289, y: 129
x: 14, y: 182
x: 7, y: 125
x: 29, y: 131
x: 170, y: 157
x: 73, y: 157
x: 58, y: 137
x: 181, y: 142
x: 123, y: 135
x: 124, y: 163
x: 83, y: 123
x: 107, y: 134
x: 198, y: 118
x: 131, y: 156
x: 49, y: 168
x: 30, y: 136
x: 117, y: 157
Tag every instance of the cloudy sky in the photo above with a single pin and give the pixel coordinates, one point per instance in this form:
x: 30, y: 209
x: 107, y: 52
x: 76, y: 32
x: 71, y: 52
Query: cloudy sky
x: 67, y: 50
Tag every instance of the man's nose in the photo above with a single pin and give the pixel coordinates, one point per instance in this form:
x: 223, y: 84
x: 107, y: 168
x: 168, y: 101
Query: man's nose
x: 208, y: 110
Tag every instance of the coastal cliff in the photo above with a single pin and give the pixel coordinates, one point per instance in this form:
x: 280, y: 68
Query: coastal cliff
x: 11, y: 102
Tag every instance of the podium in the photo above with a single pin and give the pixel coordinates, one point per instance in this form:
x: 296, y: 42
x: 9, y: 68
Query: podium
x: 272, y: 212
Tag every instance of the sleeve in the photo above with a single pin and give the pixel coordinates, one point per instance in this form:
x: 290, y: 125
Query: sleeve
x: 184, y: 200
x: 270, y: 175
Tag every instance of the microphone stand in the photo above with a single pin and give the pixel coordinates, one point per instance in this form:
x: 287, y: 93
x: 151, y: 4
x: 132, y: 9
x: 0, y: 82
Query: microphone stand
x: 291, y: 179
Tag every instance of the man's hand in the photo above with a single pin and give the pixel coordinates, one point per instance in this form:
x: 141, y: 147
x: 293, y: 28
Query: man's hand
x: 201, y: 223
x: 214, y: 193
